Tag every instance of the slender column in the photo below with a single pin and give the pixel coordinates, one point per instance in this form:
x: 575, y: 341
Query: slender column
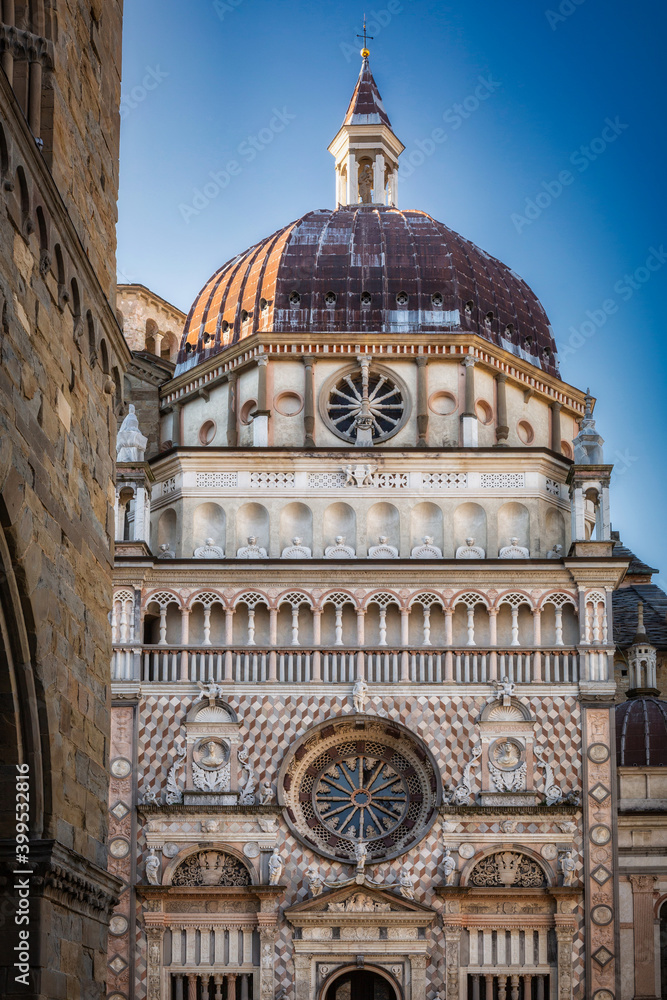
x: 157, y: 341
x: 244, y: 984
x: 260, y: 423
x: 489, y: 986
x: 537, y: 642
x: 449, y: 632
x: 469, y: 417
x: 352, y: 180
x: 422, y: 399
x: 540, y: 987
x: 502, y: 426
x: 295, y: 625
x: 229, y: 626
x: 273, y: 626
x: 185, y: 641
x: 179, y: 987
x: 207, y: 625
x: 426, y: 639
x: 528, y: 986
x: 339, y: 626
x: 515, y: 627
x: 471, y: 627
x: 250, y: 641
x: 218, y: 987
x: 555, y: 426
x: 317, y: 626
x: 309, y: 402
x: 361, y: 630
x: 383, y: 627
x: 205, y: 980
x: 502, y: 984
x: 559, y: 626
x: 475, y: 986
x: 515, y: 988
x: 163, y: 626
x: 192, y: 987
x: 405, y: 626
x: 232, y: 426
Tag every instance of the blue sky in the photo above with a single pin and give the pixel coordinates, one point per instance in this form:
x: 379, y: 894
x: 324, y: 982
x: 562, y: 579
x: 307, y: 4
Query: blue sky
x: 575, y: 93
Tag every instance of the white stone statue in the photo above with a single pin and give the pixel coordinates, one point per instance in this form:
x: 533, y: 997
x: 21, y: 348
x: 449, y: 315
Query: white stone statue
x: 505, y: 689
x: 555, y: 553
x: 359, y: 694
x: 366, y: 184
x: 588, y: 443
x: 339, y: 550
x: 449, y: 868
x: 567, y: 865
x: 383, y: 550
x: 315, y: 880
x: 166, y: 551
x: 514, y: 551
x: 247, y: 796
x: 406, y: 882
x: 209, y: 551
x: 275, y: 867
x: 360, y: 854
x: 427, y: 550
x: 296, y: 550
x: 252, y: 550
x: 359, y: 475
x: 130, y: 442
x: 266, y: 795
x: 153, y: 868
x: 470, y: 550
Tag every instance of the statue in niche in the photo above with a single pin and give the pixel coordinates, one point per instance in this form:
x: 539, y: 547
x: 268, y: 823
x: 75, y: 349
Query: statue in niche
x: 339, y: 550
x: 406, y: 882
x: 384, y: 550
x: 427, y: 550
x: 359, y: 694
x: 209, y: 551
x: 567, y: 865
x: 366, y: 184
x: 514, y: 551
x: 275, y: 867
x: 449, y: 867
x: 166, y: 552
x: 360, y: 854
x: 315, y: 880
x: 153, y: 867
x: 296, y: 550
x: 252, y: 550
x: 470, y: 550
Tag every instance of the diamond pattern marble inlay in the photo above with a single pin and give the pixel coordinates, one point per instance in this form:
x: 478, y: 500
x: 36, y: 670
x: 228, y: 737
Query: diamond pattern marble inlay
x: 117, y: 964
x: 601, y: 874
x: 599, y: 792
x: 602, y: 956
x: 120, y: 810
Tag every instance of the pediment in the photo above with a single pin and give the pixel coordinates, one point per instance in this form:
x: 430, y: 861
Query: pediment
x: 352, y: 902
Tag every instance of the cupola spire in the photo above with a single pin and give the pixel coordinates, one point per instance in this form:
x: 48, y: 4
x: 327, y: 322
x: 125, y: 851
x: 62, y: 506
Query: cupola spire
x: 365, y: 148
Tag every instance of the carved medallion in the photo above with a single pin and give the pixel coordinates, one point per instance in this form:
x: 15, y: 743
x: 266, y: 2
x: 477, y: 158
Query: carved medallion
x: 506, y: 754
x: 600, y: 834
x: 121, y: 767
x: 251, y: 850
x: 119, y: 847
x: 170, y: 850
x: 118, y: 924
x: 210, y: 753
x: 549, y: 852
x: 466, y: 851
x: 602, y: 915
x: 603, y: 995
x: 598, y: 752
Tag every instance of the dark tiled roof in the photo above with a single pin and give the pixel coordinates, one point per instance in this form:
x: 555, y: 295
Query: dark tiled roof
x: 641, y: 733
x: 637, y: 567
x: 624, y: 606
x: 366, y: 107
x: 375, y: 250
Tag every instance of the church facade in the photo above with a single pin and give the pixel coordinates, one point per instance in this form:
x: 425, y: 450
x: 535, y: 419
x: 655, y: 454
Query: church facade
x: 364, y: 669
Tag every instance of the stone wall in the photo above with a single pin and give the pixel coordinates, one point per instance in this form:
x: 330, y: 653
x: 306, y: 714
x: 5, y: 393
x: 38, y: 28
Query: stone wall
x: 61, y: 383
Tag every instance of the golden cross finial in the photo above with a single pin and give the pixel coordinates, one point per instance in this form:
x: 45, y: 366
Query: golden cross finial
x: 364, y: 52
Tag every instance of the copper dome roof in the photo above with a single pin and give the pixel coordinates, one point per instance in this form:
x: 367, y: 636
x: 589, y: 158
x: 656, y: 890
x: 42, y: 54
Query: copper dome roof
x: 367, y: 269
x: 641, y: 733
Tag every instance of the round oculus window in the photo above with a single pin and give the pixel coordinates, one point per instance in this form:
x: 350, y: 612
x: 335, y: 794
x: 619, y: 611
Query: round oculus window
x: 348, y: 784
x: 344, y: 404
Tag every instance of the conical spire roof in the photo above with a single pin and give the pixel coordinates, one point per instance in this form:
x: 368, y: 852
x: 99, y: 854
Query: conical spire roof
x: 366, y: 107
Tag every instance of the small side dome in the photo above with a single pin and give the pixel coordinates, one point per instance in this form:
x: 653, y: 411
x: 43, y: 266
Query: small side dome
x: 641, y: 733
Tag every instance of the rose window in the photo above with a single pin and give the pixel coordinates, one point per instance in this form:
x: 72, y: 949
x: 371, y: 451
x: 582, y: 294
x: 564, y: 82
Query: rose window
x: 351, y: 784
x: 366, y: 405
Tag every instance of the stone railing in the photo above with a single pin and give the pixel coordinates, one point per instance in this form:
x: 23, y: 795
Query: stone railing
x: 297, y: 665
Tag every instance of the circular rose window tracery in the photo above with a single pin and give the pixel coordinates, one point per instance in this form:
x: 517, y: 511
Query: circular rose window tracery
x: 376, y: 399
x: 349, y: 783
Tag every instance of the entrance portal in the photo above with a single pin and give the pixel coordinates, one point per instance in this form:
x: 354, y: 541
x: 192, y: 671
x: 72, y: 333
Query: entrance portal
x: 360, y: 985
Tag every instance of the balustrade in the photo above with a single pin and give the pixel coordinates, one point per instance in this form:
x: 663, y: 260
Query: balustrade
x: 342, y: 665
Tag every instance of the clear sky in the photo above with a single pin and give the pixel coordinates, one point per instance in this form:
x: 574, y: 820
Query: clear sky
x: 573, y: 90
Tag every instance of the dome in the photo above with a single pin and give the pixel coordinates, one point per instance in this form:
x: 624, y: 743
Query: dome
x: 367, y: 268
x: 641, y: 733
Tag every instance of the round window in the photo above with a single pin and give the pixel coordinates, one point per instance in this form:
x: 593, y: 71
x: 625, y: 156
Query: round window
x: 483, y: 411
x: 247, y: 411
x: 442, y: 403
x: 207, y: 432
x: 345, y: 403
x: 288, y: 403
x: 351, y: 784
x: 525, y: 432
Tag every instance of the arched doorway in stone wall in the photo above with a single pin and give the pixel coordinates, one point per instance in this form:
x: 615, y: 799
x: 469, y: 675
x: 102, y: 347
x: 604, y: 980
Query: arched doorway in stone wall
x: 361, y: 984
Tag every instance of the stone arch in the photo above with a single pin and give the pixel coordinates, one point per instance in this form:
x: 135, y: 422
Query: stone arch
x: 250, y: 625
x: 470, y: 619
x: 383, y: 619
x: 514, y: 522
x: 296, y: 521
x: 555, y: 530
x: 514, y: 623
x: 167, y: 528
x: 295, y: 618
x: 340, y: 519
x: 338, y: 623
x: 383, y: 520
x: 327, y: 992
x: 252, y: 520
x: 150, y: 335
x: 427, y: 628
x: 470, y: 522
x: 218, y: 847
x: 426, y: 520
x: 208, y: 521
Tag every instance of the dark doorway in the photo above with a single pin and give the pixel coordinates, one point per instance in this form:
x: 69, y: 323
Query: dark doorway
x: 360, y: 985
